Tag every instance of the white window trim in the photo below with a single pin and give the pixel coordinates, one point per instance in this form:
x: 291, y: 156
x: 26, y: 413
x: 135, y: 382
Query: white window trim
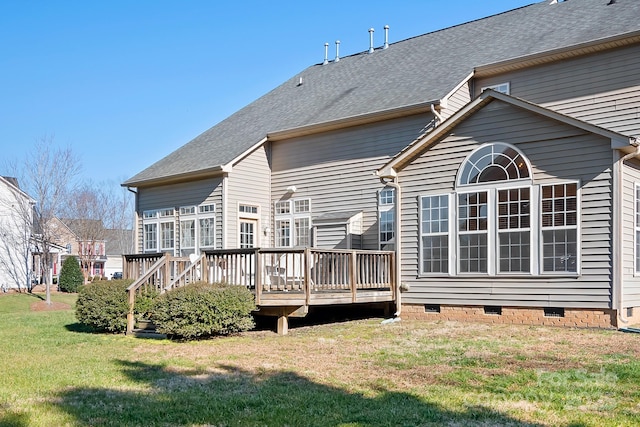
x: 291, y: 216
x: 451, y: 224
x: 497, y: 87
x: 208, y: 214
x: 535, y: 229
x: 161, y: 240
x: 386, y: 207
x: 175, y: 216
x: 187, y: 214
x: 490, y: 241
x: 578, y: 228
x: 533, y: 216
x: 249, y: 216
x: 146, y: 249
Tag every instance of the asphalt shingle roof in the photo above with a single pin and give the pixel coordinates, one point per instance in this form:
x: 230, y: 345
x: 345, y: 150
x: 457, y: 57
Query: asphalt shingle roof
x: 413, y: 71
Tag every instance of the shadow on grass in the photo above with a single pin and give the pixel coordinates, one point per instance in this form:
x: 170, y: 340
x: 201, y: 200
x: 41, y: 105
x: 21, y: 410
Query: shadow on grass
x: 228, y: 396
x: 323, y: 315
x: 82, y: 328
x: 13, y: 419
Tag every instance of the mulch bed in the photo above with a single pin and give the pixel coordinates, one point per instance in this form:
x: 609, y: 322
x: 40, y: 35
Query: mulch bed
x: 43, y: 306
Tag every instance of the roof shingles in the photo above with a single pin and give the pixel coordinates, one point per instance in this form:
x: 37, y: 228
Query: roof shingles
x: 414, y: 71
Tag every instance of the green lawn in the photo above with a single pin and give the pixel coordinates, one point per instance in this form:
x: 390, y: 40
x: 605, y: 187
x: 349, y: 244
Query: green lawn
x: 359, y: 373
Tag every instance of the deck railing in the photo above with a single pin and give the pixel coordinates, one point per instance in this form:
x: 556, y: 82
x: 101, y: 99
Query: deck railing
x: 276, y: 276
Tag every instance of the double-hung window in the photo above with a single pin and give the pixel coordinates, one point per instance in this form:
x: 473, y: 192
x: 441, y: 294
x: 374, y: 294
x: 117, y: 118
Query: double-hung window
x: 559, y: 228
x: 183, y: 231
x: 187, y: 230
x: 386, y: 217
x: 207, y: 226
x: 167, y: 230
x: 434, y: 226
x: 514, y: 230
x: 293, y: 223
x: 497, y: 222
x: 150, y: 230
x: 473, y: 232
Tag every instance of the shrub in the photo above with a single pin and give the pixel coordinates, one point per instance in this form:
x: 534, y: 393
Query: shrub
x: 104, y: 305
x: 145, y: 301
x: 201, y: 309
x: 71, y: 277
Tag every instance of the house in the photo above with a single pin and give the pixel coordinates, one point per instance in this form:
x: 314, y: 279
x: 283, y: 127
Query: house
x: 117, y: 243
x: 497, y: 158
x: 84, y: 239
x: 16, y: 213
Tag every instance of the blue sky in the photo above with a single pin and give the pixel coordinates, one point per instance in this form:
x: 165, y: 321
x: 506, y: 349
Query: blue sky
x: 124, y: 83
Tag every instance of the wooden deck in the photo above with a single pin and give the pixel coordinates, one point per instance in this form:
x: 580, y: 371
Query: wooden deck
x: 285, y: 282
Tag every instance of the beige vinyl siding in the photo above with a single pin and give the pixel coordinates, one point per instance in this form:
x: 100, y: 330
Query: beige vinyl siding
x: 456, y: 101
x: 557, y: 152
x: 184, y: 194
x: 336, y: 169
x: 249, y: 183
x: 603, y: 89
x: 332, y: 237
x: 631, y: 178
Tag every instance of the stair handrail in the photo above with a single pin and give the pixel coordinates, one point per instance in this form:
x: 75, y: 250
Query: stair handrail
x: 197, y: 263
x: 131, y: 290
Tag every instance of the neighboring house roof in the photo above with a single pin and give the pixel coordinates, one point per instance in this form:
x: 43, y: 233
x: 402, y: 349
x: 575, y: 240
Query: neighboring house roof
x: 419, y: 145
x: 13, y: 182
x: 118, y: 242
x: 84, y: 226
x: 409, y: 75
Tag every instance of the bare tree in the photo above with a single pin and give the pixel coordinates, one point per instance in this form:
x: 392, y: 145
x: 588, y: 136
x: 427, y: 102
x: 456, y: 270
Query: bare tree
x: 47, y: 174
x: 16, y: 220
x: 85, y: 216
x: 119, y: 215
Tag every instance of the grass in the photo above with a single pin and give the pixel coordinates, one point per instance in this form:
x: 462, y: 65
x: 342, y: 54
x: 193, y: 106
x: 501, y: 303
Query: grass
x: 357, y: 373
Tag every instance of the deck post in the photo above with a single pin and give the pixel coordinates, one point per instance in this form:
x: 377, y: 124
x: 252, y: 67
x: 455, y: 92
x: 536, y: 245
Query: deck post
x: 283, y: 324
x: 130, y: 314
x: 353, y: 277
x: 257, y: 281
x: 307, y: 275
x: 164, y: 282
x: 204, y: 268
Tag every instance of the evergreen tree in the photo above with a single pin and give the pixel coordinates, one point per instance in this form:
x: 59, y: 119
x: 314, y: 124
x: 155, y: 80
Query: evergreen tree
x: 71, y: 277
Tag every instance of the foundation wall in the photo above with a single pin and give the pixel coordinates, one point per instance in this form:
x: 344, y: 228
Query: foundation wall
x: 572, y: 317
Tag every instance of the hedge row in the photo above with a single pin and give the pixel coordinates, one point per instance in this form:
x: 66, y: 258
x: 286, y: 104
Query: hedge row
x: 202, y: 309
x: 194, y: 311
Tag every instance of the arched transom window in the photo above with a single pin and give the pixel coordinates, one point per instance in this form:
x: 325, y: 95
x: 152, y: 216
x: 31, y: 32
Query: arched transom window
x: 498, y: 221
x: 493, y: 162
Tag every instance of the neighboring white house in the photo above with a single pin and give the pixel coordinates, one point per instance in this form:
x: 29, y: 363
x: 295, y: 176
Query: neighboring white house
x: 16, y: 209
x: 118, y: 243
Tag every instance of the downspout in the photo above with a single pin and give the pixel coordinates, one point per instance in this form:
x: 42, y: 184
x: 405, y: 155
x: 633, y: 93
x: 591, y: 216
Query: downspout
x: 621, y: 316
x: 398, y: 191
x: 437, y: 115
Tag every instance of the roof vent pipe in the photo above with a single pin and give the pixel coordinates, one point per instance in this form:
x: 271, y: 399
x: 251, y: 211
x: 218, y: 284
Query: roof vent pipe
x: 326, y: 54
x: 371, y: 30
x: 337, y: 51
x: 386, y: 37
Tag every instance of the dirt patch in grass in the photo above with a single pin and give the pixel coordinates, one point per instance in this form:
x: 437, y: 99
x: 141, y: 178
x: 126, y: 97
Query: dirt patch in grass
x: 53, y: 306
